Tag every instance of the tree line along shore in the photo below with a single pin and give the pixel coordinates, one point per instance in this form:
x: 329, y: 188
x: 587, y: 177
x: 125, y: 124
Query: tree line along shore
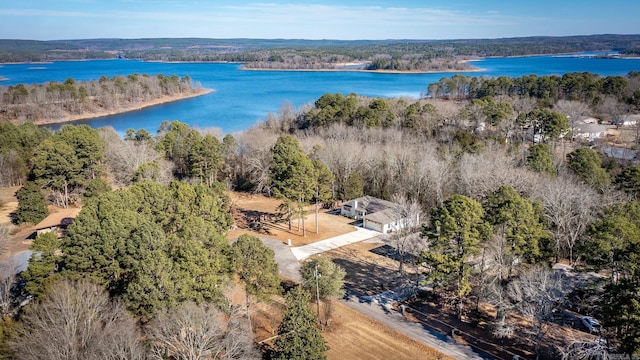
x: 59, y: 102
x: 380, y: 55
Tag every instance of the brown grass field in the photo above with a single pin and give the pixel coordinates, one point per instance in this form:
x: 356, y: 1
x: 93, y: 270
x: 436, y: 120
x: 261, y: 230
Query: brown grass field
x: 17, y: 242
x: 255, y: 214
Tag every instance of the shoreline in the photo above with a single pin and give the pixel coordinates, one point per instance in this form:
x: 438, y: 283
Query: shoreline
x: 159, y: 101
x: 473, y: 69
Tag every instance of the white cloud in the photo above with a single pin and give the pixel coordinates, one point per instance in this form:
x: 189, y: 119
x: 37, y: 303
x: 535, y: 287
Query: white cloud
x: 276, y: 12
x: 269, y: 19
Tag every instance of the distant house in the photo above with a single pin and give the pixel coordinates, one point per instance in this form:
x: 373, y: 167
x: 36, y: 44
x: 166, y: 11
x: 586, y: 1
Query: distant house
x: 376, y: 214
x: 628, y: 120
x: 581, y: 120
x: 538, y: 136
x: 590, y: 132
x: 57, y: 221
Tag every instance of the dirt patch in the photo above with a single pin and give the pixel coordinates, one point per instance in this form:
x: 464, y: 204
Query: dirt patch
x: 8, y: 203
x: 17, y: 241
x: 368, y: 272
x: 7, y: 209
x: 349, y: 328
x: 258, y: 215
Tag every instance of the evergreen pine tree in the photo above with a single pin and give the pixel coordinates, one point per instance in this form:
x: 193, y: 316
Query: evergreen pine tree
x: 39, y: 275
x: 257, y: 268
x: 540, y: 159
x: 353, y: 187
x: 32, y: 207
x: 299, y: 338
x: 292, y: 175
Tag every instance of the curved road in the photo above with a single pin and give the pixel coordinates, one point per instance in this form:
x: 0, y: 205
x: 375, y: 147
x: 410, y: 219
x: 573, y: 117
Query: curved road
x: 289, y: 267
x: 412, y: 329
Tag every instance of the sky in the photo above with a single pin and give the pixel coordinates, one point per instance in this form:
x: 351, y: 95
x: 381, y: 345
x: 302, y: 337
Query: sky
x: 290, y: 19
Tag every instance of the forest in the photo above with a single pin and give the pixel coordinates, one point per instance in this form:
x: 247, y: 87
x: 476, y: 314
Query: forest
x: 397, y: 55
x: 500, y: 207
x: 55, y: 101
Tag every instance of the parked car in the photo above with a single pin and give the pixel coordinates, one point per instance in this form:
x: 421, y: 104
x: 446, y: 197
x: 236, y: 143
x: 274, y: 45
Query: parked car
x: 592, y: 324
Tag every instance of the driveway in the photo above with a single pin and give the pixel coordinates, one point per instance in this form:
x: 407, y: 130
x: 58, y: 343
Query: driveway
x: 303, y: 252
x: 18, y: 262
x: 288, y: 265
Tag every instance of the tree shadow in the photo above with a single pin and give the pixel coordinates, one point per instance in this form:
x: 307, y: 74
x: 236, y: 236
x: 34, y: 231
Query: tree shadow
x: 391, y: 253
x: 13, y: 217
x: 254, y: 220
x: 444, y: 323
x: 366, y: 278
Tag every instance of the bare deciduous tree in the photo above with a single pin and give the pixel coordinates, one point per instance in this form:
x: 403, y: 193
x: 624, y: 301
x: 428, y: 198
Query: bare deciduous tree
x: 569, y: 207
x: 484, y: 173
x: 572, y: 109
x: 492, y: 289
x: 406, y: 221
x: 535, y: 294
x: 254, y: 157
x: 583, y: 350
x: 77, y: 320
x: 125, y: 157
x: 193, y: 332
x: 12, y: 168
x: 613, y: 108
x: 339, y: 151
x: 439, y: 177
x: 4, y: 237
x: 7, y: 281
x: 8, y: 272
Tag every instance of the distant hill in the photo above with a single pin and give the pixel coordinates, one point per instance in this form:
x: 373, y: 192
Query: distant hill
x: 280, y: 50
x: 35, y: 51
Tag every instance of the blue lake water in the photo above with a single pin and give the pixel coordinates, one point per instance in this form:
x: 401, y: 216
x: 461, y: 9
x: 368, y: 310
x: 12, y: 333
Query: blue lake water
x: 241, y: 98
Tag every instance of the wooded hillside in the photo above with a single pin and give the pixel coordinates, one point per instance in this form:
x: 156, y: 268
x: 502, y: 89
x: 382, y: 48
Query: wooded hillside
x: 54, y: 101
x: 403, y: 55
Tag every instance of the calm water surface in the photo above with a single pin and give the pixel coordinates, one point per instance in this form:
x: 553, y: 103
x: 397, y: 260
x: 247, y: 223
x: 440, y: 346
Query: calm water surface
x: 241, y: 98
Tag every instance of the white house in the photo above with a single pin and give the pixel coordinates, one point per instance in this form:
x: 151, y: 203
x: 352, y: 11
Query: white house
x: 581, y: 120
x: 628, y: 120
x: 590, y: 132
x: 376, y: 214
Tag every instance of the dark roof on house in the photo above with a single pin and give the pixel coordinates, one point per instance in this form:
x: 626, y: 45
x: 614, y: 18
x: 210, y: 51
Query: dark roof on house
x: 61, y: 217
x: 383, y: 217
x: 372, y: 204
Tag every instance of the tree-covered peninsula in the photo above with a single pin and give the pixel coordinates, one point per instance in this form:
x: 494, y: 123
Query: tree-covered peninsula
x: 56, y: 102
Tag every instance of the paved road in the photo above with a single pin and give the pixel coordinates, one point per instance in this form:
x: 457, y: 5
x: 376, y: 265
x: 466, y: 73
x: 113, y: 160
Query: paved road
x: 18, y: 262
x: 416, y: 331
x: 289, y: 267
